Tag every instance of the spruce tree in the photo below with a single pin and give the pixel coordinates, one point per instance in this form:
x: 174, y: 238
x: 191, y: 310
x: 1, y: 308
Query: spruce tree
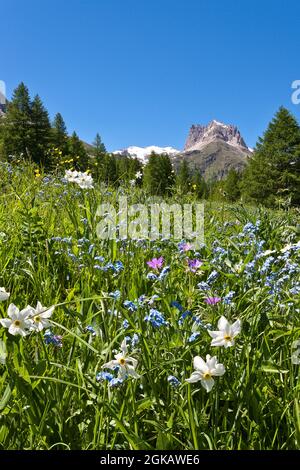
x: 158, y: 175
x: 17, y: 126
x: 77, y: 153
x: 199, y: 185
x: 232, y: 186
x: 99, y: 147
x: 59, y: 134
x: 109, y: 169
x: 183, y: 179
x: 98, y: 160
x: 41, y: 130
x: 274, y: 168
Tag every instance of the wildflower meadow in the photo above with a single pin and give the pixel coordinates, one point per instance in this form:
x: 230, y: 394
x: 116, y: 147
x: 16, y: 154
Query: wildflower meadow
x: 139, y: 344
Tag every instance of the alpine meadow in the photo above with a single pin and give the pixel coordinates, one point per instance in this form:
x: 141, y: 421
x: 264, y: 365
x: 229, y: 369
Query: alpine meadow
x: 149, y: 296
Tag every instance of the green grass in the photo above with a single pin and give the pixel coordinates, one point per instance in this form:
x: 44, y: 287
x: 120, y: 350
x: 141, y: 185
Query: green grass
x: 50, y: 398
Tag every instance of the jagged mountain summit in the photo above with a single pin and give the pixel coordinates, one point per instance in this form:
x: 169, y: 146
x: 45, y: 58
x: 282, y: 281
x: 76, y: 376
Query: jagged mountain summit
x: 199, y: 136
x: 142, y: 153
x: 214, y: 150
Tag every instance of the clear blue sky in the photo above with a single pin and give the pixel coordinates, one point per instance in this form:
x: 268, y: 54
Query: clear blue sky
x: 142, y: 71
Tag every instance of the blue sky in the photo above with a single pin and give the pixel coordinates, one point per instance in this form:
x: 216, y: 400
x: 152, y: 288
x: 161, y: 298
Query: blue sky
x: 141, y: 72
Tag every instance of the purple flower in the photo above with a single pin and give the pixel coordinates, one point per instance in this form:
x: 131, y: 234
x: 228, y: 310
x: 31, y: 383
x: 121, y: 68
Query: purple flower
x: 156, y: 263
x: 51, y: 338
x: 185, y: 246
x: 212, y: 300
x: 194, y: 264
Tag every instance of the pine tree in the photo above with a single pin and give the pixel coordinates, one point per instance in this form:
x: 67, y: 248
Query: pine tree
x: 41, y: 132
x: 232, y: 186
x: 17, y: 128
x: 199, y: 185
x: 158, y: 175
x: 59, y: 134
x: 274, y: 168
x: 99, y: 147
x: 109, y: 169
x: 183, y: 179
x: 98, y: 160
x: 77, y: 153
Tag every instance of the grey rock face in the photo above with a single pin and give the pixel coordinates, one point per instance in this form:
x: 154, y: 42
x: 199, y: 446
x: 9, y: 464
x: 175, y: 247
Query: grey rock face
x: 199, y: 136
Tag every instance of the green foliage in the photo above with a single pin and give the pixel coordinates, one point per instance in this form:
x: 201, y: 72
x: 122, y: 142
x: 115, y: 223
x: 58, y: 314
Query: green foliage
x: 99, y: 147
x: 59, y: 134
x: 274, y: 169
x: 17, y: 125
x: 183, y: 178
x: 158, y: 175
x: 77, y: 153
x: 41, y: 132
x: 232, y: 186
x: 49, y: 396
x: 199, y: 186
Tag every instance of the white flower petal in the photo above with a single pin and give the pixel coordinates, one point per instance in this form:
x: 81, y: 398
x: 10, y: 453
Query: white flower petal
x: 26, y: 312
x: 3, y: 294
x: 218, y: 370
x: 223, y: 323
x: 219, y: 341
x: 132, y: 372
x: 211, y: 361
x: 236, y: 327
x: 110, y: 364
x: 213, y: 334
x: 124, y: 347
x: 12, y: 311
x: 195, y: 377
x: 199, y: 364
x: 208, y: 384
x: 6, y: 322
x: 16, y: 330
x: 133, y: 361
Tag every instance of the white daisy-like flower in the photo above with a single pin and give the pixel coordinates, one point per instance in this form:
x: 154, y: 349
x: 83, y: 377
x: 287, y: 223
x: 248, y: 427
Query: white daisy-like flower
x: 205, y: 371
x: 4, y: 295
x: 83, y: 179
x: 226, y: 334
x: 18, y: 322
x: 127, y: 364
x: 39, y: 317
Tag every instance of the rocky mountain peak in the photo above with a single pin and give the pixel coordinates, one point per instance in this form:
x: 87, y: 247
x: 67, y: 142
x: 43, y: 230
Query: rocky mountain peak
x: 200, y: 135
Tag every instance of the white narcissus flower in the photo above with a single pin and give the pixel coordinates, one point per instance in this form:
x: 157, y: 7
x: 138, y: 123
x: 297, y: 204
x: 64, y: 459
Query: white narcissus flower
x: 226, y: 334
x: 18, y: 322
x: 126, y: 363
x: 39, y: 317
x: 4, y: 295
x: 84, y: 180
x: 205, y: 371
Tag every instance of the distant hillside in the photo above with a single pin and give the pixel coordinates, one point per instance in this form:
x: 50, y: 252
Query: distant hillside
x: 214, y: 149
x: 214, y: 160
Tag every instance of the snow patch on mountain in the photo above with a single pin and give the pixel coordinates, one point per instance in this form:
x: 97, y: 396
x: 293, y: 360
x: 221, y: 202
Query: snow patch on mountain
x: 142, y: 153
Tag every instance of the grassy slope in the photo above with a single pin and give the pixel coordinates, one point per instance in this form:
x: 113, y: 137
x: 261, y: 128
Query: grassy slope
x: 49, y: 397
